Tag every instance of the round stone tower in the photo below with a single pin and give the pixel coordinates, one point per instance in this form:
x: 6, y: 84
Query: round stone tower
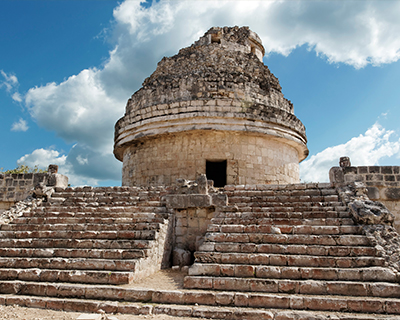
x: 213, y: 108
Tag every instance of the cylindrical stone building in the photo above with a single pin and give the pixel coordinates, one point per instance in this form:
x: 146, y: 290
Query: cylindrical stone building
x: 213, y: 108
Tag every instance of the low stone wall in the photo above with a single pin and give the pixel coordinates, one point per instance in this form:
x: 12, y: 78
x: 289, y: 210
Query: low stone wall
x: 17, y: 186
x: 382, y: 182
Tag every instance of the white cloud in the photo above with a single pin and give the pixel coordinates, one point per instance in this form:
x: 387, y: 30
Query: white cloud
x: 10, y: 81
x: 42, y: 158
x: 84, y: 108
x: 20, y: 125
x: 16, y: 96
x: 78, y: 109
x: 366, y: 149
x: 82, y: 160
x: 74, y: 165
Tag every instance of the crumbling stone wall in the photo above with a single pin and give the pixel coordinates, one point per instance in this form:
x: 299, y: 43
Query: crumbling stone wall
x: 16, y: 187
x: 219, y: 93
x: 382, y: 183
x: 376, y: 221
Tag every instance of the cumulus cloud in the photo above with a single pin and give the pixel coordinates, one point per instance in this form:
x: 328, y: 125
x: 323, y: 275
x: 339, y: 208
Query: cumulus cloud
x: 78, y: 109
x: 84, y: 108
x: 20, y: 125
x: 81, y: 166
x: 352, y: 32
x: 42, y: 158
x: 366, y: 149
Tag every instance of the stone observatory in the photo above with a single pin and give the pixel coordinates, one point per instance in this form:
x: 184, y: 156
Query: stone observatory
x: 214, y: 108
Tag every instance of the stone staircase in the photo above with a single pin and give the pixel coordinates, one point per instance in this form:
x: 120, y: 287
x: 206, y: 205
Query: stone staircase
x: 275, y: 252
x: 87, y: 235
x: 293, y: 247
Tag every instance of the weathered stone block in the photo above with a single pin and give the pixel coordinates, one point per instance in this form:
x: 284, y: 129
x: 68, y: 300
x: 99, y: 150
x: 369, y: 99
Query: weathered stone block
x: 374, y: 169
x: 392, y: 194
x: 224, y: 298
x: 198, y: 282
x: 219, y: 199
x: 373, y: 193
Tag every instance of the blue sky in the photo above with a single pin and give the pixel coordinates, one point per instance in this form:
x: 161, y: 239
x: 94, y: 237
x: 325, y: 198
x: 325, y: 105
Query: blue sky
x: 67, y: 69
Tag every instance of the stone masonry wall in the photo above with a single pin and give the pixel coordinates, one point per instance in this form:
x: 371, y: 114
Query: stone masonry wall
x: 191, y: 226
x: 251, y: 159
x: 17, y: 186
x: 382, y: 182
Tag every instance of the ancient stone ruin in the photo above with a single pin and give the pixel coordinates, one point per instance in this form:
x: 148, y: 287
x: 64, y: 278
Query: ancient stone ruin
x: 214, y: 109
x: 211, y: 201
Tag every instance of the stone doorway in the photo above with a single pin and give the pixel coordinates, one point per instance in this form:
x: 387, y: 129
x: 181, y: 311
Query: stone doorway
x: 216, y: 171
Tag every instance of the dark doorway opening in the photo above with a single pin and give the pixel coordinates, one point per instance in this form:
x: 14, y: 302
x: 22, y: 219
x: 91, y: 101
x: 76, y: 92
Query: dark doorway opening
x: 216, y: 171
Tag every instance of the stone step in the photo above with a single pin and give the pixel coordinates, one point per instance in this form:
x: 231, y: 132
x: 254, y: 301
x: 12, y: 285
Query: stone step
x: 88, y: 234
x: 73, y: 253
x: 173, y: 310
x: 76, y: 243
x: 371, y: 274
x: 86, y: 220
x: 254, y: 230
x: 276, y: 188
x: 280, y: 305
x: 80, y: 227
x: 90, y: 209
x: 252, y: 215
x: 143, y: 194
x: 86, y: 204
x: 288, y: 260
x: 284, y: 211
x: 75, y: 276
x: 283, y: 221
x: 309, y: 287
x: 283, y: 200
x: 121, y: 203
x: 302, y: 239
x: 246, y: 249
x: 68, y: 263
x: 100, y: 214
x: 249, y: 248
x: 281, y: 193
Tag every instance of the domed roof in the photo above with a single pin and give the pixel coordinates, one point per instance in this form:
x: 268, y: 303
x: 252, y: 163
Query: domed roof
x: 218, y: 83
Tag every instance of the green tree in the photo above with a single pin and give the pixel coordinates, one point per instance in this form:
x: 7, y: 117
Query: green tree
x: 22, y: 168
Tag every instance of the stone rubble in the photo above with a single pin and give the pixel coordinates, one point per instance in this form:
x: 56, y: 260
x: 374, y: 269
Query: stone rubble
x: 42, y: 191
x: 376, y: 221
x: 19, y: 209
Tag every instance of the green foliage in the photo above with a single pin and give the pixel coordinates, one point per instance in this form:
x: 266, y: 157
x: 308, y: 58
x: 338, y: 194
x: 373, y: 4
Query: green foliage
x: 22, y: 168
